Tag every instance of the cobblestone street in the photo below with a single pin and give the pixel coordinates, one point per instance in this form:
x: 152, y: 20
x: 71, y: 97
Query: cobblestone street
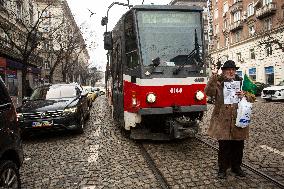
x: 265, y: 148
x: 102, y: 157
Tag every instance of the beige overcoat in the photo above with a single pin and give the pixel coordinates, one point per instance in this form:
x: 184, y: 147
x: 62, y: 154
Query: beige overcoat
x: 222, y: 123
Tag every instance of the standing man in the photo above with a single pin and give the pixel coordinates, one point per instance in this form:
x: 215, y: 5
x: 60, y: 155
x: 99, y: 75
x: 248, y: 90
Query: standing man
x: 222, y: 123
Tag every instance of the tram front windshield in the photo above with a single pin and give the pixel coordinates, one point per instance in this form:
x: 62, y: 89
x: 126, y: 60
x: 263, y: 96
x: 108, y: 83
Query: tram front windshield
x: 167, y: 35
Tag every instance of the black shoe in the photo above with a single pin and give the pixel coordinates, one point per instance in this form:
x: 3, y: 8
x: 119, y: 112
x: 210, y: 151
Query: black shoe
x: 239, y: 172
x: 222, y: 175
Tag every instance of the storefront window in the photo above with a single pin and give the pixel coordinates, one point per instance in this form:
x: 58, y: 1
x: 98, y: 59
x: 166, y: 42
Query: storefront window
x: 252, y: 74
x: 12, y: 82
x: 269, y: 75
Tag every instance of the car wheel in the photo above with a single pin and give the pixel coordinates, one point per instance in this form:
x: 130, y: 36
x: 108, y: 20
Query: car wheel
x: 9, y: 175
x: 80, y: 127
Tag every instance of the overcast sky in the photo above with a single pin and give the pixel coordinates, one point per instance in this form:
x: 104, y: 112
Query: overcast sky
x: 95, y: 31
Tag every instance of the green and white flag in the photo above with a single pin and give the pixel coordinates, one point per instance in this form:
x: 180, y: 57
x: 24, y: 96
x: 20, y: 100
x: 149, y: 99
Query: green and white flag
x: 248, y: 85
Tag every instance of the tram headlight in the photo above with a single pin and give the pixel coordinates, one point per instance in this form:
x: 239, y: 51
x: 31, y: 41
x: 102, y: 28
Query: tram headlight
x: 151, y: 98
x: 199, y: 95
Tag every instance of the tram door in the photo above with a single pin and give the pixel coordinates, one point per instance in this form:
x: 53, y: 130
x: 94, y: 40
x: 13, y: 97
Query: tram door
x: 117, y: 84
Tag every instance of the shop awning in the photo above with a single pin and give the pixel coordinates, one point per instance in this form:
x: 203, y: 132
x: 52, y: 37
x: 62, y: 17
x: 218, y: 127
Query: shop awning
x: 13, y: 64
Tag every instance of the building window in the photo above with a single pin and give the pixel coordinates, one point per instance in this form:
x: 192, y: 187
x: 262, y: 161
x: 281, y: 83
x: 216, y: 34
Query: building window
x: 3, y: 3
x: 19, y: 10
x: 216, y: 14
x: 269, y: 75
x: 240, y: 73
x: 251, y: 30
x: 250, y: 10
x: 239, y: 57
x: 45, y: 13
x: 46, y: 65
x: 45, y: 28
x: 217, y: 29
x: 237, y: 16
x: 268, y: 50
x: 225, y: 7
x: 267, y: 24
x: 225, y: 24
x: 226, y: 41
x: 31, y: 13
x: 266, y: 2
x: 252, y: 74
x: 206, y: 37
x: 252, y: 54
x: 238, y: 36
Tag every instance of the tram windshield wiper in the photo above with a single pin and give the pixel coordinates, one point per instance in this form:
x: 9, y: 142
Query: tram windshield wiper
x: 194, y: 55
x: 156, y: 62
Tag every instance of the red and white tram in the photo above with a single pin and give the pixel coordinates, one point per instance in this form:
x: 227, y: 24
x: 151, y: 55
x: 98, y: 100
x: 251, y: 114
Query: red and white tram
x: 155, y: 74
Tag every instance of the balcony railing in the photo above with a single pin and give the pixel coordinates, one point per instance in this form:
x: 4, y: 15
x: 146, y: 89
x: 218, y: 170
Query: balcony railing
x: 236, y: 25
x: 266, y: 10
x: 237, y: 6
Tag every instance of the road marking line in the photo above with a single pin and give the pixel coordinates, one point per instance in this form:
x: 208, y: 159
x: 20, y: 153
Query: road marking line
x: 88, y: 187
x: 272, y: 150
x: 94, y: 154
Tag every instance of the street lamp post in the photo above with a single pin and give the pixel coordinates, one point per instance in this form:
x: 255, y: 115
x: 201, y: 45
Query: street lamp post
x: 104, y: 21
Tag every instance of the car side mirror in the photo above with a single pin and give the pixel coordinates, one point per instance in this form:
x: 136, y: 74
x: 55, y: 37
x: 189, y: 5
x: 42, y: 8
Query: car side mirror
x: 108, y: 41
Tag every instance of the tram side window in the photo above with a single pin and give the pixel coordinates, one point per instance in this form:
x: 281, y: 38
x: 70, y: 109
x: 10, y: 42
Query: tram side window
x: 130, y: 42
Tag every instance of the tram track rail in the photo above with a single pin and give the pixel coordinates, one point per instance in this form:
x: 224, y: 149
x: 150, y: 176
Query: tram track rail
x: 249, y: 167
x: 164, y: 183
x: 152, y: 165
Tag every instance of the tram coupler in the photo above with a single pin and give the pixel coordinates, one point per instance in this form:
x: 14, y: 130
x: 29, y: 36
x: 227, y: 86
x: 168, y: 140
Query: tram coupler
x: 181, y: 131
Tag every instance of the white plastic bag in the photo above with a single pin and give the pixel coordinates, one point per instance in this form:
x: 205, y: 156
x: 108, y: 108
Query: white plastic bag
x: 243, y: 113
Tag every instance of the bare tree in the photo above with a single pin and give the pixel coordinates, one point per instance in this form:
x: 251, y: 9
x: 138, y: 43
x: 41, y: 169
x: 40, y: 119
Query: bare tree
x: 24, y: 38
x: 66, y: 51
x: 268, y: 38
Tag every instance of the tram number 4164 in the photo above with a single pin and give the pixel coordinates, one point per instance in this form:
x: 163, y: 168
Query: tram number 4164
x: 176, y: 90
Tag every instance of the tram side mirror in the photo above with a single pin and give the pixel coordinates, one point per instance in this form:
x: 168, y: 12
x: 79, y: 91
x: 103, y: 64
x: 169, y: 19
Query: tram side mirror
x: 108, y: 41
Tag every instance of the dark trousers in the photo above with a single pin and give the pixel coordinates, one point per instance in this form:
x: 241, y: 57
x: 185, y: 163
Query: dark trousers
x: 230, y: 154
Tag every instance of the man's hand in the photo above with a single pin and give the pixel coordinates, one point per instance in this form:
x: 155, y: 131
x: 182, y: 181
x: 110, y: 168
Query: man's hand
x: 240, y: 94
x: 214, y: 69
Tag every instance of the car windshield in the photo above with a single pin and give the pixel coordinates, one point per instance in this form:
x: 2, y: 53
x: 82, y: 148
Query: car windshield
x: 54, y: 92
x: 168, y: 35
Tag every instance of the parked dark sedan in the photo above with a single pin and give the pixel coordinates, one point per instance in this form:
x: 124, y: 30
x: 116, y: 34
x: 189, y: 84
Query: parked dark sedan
x: 11, y: 151
x: 59, y: 106
x: 260, y: 86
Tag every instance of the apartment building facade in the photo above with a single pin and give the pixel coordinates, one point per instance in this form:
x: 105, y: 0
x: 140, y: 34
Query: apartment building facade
x: 250, y: 32
x: 15, y: 18
x: 64, y: 43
